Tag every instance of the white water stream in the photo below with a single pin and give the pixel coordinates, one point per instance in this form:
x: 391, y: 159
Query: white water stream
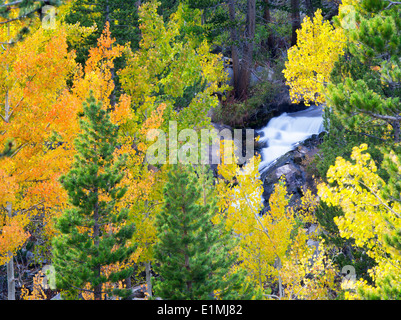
x: 282, y: 133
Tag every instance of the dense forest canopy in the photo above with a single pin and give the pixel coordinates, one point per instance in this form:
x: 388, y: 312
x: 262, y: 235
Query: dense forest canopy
x: 109, y: 108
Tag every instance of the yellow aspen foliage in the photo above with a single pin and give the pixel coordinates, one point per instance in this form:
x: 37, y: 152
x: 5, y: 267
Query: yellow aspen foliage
x: 33, y: 74
x: 12, y: 236
x: 368, y: 218
x: 272, y: 247
x: 37, y: 292
x: 171, y: 64
x: 144, y: 184
x: 310, y: 61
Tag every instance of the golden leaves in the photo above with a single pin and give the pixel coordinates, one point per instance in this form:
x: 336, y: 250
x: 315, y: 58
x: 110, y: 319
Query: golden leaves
x: 34, y: 74
x: 368, y: 217
x: 273, y: 246
x: 37, y: 289
x: 167, y: 65
x: 311, y: 60
x: 12, y: 236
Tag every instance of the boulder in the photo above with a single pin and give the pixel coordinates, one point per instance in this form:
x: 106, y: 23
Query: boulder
x: 292, y: 167
x: 261, y: 73
x: 293, y: 176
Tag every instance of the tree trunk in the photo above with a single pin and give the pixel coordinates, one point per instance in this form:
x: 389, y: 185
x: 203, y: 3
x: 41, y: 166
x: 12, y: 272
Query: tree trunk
x: 295, y: 20
x: 148, y: 279
x: 147, y: 263
x: 242, y: 71
x: 7, y: 111
x: 280, y: 281
x: 309, y: 8
x: 10, y: 265
x: 96, y: 234
x: 269, y: 43
x: 234, y: 47
x: 128, y: 283
x: 247, y: 60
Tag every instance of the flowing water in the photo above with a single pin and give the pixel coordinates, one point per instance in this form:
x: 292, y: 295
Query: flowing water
x: 282, y: 133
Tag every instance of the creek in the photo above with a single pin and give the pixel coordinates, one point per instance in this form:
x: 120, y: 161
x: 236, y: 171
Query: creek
x: 285, y: 132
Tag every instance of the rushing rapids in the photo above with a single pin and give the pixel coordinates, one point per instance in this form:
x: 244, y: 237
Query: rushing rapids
x: 282, y: 133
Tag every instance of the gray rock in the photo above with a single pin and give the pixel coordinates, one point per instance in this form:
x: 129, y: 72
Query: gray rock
x: 57, y: 297
x: 293, y: 169
x: 312, y: 228
x: 230, y: 77
x: 313, y: 243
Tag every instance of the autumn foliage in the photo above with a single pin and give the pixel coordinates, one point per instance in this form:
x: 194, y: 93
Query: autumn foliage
x: 311, y: 60
x: 78, y: 193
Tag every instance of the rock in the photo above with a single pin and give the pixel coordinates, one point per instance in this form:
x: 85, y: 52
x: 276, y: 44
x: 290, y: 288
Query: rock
x: 230, y: 77
x: 292, y: 167
x: 254, y: 80
x: 298, y: 157
x: 261, y: 73
x: 312, y: 228
x: 221, y: 126
x: 293, y: 177
x: 286, y: 170
x: 57, y: 297
x: 313, y: 243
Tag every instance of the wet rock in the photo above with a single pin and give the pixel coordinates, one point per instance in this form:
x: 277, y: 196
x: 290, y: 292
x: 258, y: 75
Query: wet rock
x: 291, y: 167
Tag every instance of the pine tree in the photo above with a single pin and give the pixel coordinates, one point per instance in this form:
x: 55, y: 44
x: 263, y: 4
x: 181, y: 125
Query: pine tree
x: 93, y: 235
x: 192, y: 254
x: 8, y: 150
x: 367, y: 90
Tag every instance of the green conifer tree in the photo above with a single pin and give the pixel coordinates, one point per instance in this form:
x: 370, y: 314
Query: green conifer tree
x: 93, y: 234
x: 8, y: 150
x: 364, y: 93
x: 193, y: 254
x: 365, y: 83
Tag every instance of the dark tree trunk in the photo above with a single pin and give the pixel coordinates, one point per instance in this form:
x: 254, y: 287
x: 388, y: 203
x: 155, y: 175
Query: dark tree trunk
x: 10, y: 265
x: 234, y: 46
x: 242, y: 71
x: 247, y: 60
x: 96, y: 236
x: 309, y: 8
x: 295, y: 20
x: 269, y: 43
